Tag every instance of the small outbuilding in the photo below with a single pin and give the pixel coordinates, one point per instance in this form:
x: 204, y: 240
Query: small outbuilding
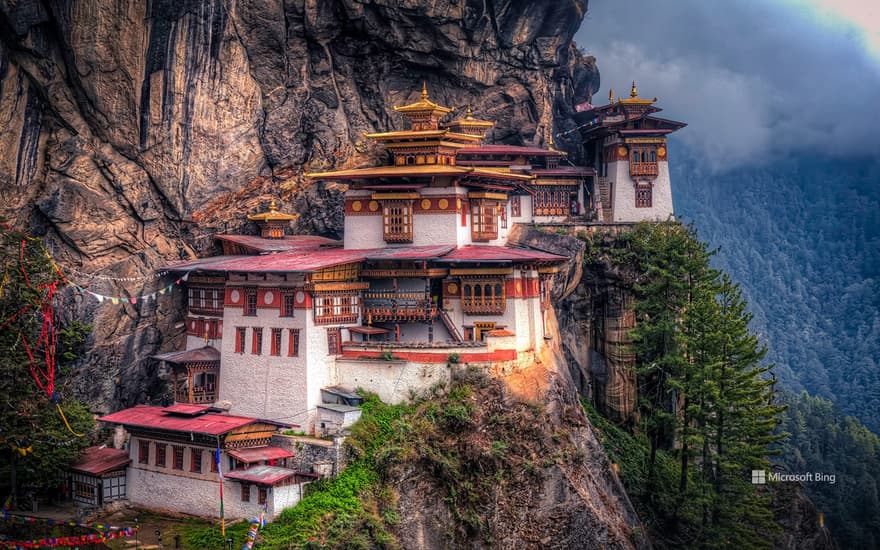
x: 98, y: 477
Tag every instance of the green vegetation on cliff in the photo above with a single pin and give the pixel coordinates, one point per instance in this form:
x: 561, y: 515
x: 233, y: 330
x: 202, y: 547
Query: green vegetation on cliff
x: 824, y: 440
x: 707, y: 411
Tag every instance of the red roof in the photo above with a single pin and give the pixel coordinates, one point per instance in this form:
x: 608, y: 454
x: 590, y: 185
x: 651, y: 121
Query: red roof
x: 206, y: 353
x: 508, y: 150
x: 158, y: 418
x: 571, y: 171
x: 309, y: 260
x: 500, y: 254
x: 262, y: 475
x: 188, y: 409
x: 291, y: 242
x: 257, y: 454
x: 97, y: 461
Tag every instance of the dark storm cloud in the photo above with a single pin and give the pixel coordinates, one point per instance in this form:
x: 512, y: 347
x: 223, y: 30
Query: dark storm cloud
x: 753, y: 79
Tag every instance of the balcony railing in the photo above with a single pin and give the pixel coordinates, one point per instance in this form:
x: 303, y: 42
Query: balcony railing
x: 404, y: 313
x: 649, y: 169
x: 200, y: 394
x: 481, y: 305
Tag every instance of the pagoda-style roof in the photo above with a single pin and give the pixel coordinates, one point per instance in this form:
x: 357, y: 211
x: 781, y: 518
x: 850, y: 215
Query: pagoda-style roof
x: 422, y: 170
x: 424, y: 106
x: 633, y: 98
x: 468, y: 124
x: 272, y: 215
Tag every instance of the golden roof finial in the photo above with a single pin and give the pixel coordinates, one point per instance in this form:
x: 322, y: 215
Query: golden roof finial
x: 611, y: 95
x: 468, y: 113
x: 272, y: 206
x: 634, y: 92
x: 551, y: 148
x: 424, y: 90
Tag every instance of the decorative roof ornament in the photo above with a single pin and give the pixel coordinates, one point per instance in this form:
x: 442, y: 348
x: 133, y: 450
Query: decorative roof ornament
x: 634, y: 92
x: 611, y: 95
x: 424, y: 106
x: 272, y: 215
x: 633, y: 98
x: 469, y: 124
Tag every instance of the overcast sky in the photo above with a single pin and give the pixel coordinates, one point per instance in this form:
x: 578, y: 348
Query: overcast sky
x: 754, y: 79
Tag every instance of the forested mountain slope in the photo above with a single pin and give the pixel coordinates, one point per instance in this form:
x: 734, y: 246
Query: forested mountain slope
x: 802, y: 235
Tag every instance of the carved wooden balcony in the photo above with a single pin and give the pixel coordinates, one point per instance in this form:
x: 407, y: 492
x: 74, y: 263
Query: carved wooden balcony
x: 483, y: 306
x: 643, y: 169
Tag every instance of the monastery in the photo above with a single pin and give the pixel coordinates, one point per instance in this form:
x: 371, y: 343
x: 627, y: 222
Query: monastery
x: 281, y: 328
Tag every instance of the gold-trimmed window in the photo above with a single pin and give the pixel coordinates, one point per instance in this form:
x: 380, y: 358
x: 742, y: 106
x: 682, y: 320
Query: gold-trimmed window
x: 397, y: 221
x: 484, y: 220
x: 483, y: 297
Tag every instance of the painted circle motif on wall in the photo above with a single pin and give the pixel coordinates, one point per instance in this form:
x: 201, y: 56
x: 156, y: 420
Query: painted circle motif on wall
x: 269, y: 297
x: 426, y: 204
x: 234, y: 296
x: 621, y: 152
x: 518, y: 287
x: 443, y: 204
x: 661, y: 152
x: 452, y: 288
x: 300, y: 296
x: 374, y: 206
x: 356, y: 206
x: 458, y: 203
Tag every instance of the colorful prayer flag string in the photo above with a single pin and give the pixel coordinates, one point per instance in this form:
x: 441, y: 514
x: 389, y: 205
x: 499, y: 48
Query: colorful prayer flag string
x: 130, y: 299
x: 576, y: 128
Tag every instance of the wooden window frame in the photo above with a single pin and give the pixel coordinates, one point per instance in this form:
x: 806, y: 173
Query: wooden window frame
x: 334, y: 341
x: 644, y: 196
x: 256, y: 340
x: 195, y: 461
x: 476, y: 301
x: 288, y: 304
x: 275, y: 346
x: 262, y: 495
x: 250, y: 302
x: 143, y: 452
x: 161, y: 459
x: 177, y: 458
x: 245, y: 492
x: 397, y: 221
x: 240, y: 337
x: 336, y: 308
x: 515, y: 206
x: 484, y: 220
x: 293, y: 342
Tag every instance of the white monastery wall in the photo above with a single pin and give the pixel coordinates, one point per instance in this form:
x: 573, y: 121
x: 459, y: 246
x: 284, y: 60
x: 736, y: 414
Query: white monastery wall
x: 624, y: 194
x: 392, y: 381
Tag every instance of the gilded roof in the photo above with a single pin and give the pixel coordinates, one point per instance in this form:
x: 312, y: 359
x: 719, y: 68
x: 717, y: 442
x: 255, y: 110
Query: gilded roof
x: 272, y: 215
x: 424, y: 105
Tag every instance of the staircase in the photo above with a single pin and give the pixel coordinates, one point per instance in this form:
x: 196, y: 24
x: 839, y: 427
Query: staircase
x: 604, y: 206
x: 450, y: 326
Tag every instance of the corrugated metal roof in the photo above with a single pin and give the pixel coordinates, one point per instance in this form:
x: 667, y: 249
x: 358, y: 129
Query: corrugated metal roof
x: 188, y: 409
x: 256, y: 454
x: 207, y: 353
x: 261, y: 474
x: 157, y: 418
x: 505, y: 254
x: 97, y: 461
x: 289, y: 242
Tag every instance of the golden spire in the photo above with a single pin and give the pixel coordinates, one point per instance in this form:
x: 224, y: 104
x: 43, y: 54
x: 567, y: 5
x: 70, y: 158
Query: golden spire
x: 424, y: 91
x: 468, y: 113
x: 272, y: 206
x: 634, y: 92
x: 611, y: 95
x: 551, y: 148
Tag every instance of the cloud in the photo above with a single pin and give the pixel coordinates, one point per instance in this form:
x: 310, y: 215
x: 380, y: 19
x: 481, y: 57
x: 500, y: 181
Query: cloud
x: 754, y: 80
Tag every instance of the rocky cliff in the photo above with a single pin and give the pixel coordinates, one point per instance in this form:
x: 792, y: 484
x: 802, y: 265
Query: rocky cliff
x: 131, y: 131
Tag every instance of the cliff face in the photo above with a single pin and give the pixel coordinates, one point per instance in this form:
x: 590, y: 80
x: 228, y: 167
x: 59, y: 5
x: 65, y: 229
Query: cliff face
x: 132, y: 131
